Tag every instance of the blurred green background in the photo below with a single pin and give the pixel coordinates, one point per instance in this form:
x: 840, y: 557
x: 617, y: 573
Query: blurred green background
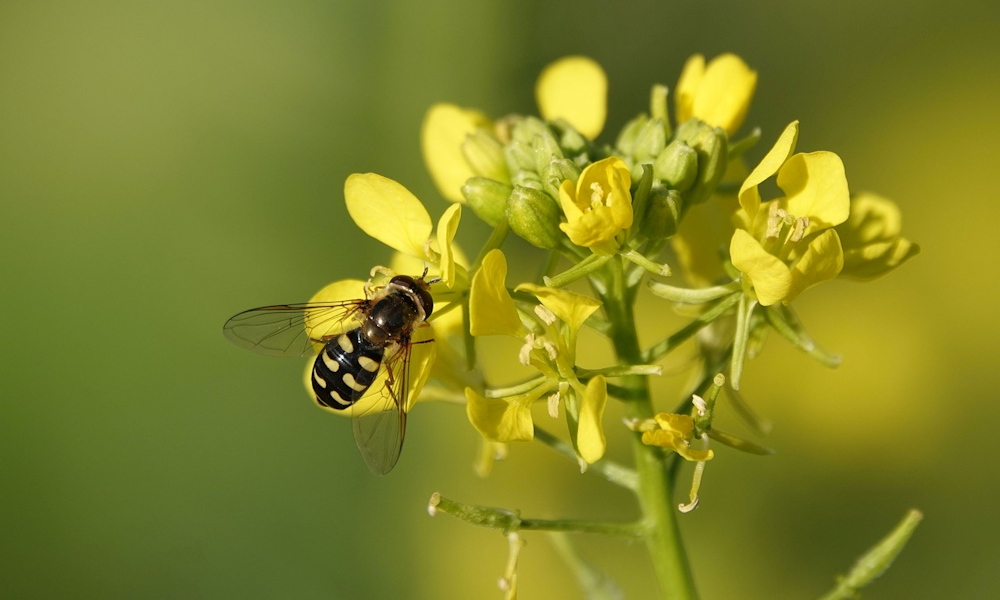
x: 165, y: 165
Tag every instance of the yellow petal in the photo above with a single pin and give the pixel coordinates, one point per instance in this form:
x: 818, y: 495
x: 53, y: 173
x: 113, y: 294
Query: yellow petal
x: 687, y: 87
x: 491, y: 309
x: 620, y: 181
x: 823, y: 260
x: 877, y: 259
x: 574, y: 89
x: 447, y: 227
x: 571, y: 308
x: 872, y: 219
x: 445, y: 127
x: 388, y: 212
x: 595, y: 229
x: 498, y: 420
x: 815, y: 186
x: 338, y: 291
x: 771, y: 279
x: 590, y: 441
x: 769, y: 165
x: 724, y: 92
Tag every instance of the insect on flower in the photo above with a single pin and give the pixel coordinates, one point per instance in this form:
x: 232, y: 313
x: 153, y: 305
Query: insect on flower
x: 356, y: 337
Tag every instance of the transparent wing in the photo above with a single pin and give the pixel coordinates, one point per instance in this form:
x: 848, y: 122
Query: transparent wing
x: 379, y: 426
x: 292, y: 329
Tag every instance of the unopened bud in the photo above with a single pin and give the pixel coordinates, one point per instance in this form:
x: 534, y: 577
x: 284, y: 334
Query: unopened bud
x: 519, y: 158
x: 650, y: 141
x: 487, y: 198
x: 626, y: 139
x: 677, y: 166
x: 484, y: 153
x: 534, y: 216
x: 546, y: 149
x: 663, y: 212
x: 711, y: 145
x: 558, y: 171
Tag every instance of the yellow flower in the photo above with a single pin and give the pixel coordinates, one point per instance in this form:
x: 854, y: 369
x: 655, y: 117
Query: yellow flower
x: 718, y: 94
x: 445, y: 128
x: 788, y: 245
x: 872, y: 245
x: 502, y: 419
x: 674, y: 432
x: 390, y: 213
x: 574, y: 89
x: 551, y: 348
x: 598, y: 206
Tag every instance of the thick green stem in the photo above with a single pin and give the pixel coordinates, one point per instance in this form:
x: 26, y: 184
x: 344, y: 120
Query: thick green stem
x: 663, y: 540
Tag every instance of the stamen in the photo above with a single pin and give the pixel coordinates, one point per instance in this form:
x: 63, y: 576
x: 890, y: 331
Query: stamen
x: 597, y: 195
x: 546, y: 315
x: 699, y: 404
x: 524, y: 356
x: 553, y: 402
x: 799, y: 229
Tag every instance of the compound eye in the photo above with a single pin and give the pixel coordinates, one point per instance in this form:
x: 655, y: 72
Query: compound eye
x: 402, y: 280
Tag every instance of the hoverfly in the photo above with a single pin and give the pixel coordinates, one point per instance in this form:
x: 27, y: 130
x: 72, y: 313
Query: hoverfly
x: 358, y: 337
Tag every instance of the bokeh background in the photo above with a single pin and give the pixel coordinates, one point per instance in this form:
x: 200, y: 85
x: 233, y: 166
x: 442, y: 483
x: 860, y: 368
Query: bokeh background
x: 165, y: 165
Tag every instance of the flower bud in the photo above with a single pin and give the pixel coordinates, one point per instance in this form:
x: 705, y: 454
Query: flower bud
x: 484, y: 153
x: 558, y: 171
x: 534, y: 216
x: 626, y: 139
x: 519, y: 158
x: 677, y: 166
x: 650, y: 141
x: 528, y: 128
x: 487, y: 198
x: 663, y: 212
x: 711, y: 145
x: 546, y: 149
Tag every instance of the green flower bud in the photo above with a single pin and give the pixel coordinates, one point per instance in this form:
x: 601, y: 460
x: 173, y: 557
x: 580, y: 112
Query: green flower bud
x: 677, y: 166
x: 519, y: 158
x: 626, y: 139
x: 711, y: 145
x: 663, y: 212
x: 528, y: 128
x: 650, y: 141
x: 558, y: 171
x: 487, y: 198
x: 485, y: 155
x: 546, y: 149
x: 534, y: 216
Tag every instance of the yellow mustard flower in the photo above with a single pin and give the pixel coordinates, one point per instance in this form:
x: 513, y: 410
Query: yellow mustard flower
x: 674, y: 432
x: 598, y: 206
x: 445, y: 128
x: 390, y: 213
x: 872, y: 244
x: 551, y: 348
x: 718, y: 93
x: 574, y: 89
x: 787, y: 244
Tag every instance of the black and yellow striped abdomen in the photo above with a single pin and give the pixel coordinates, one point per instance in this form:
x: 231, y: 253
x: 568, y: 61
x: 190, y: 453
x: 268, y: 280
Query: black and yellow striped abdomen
x: 345, y: 369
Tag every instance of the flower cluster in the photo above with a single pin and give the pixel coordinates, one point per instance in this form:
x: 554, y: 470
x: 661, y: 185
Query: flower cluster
x: 674, y: 191
x: 613, y: 218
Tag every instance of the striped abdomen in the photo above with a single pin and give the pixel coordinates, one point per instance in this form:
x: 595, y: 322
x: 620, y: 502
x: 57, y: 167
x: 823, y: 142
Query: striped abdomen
x: 345, y: 369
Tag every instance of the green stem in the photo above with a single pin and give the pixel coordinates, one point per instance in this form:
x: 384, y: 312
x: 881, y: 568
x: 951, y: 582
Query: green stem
x: 656, y: 351
x: 509, y: 520
x: 663, y: 540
